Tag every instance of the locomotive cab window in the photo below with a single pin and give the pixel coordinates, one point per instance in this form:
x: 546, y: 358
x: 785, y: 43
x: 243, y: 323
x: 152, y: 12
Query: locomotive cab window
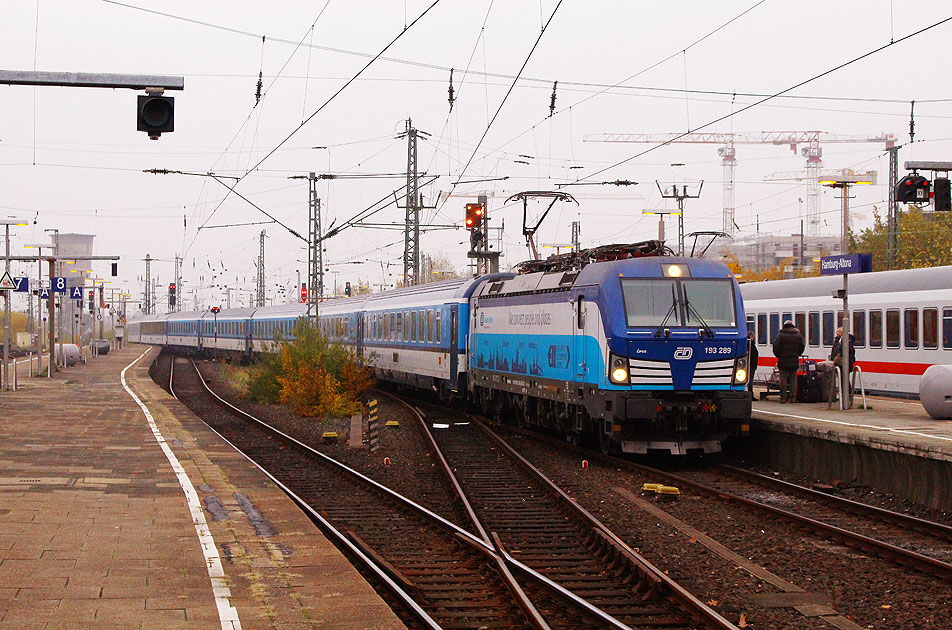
x: 649, y: 301
x: 709, y: 302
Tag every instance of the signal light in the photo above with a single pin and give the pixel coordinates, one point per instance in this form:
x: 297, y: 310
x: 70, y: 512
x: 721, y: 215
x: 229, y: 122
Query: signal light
x: 92, y: 302
x: 913, y: 189
x: 347, y: 289
x: 943, y: 194
x: 155, y: 115
x: 303, y: 292
x: 215, y: 309
x: 172, y: 294
x: 474, y: 215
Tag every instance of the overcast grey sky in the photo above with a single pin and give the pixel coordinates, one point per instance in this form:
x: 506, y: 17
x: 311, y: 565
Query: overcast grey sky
x: 74, y: 157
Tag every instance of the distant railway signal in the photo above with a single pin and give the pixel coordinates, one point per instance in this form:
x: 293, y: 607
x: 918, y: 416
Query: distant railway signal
x: 474, y: 215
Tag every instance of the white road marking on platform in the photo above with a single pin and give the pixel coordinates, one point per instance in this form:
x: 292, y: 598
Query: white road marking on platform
x: 227, y: 613
x: 853, y: 424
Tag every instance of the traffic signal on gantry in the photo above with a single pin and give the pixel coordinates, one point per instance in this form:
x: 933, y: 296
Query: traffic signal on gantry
x: 474, y: 215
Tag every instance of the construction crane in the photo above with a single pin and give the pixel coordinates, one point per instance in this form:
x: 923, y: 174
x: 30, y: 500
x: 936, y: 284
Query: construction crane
x: 811, y: 150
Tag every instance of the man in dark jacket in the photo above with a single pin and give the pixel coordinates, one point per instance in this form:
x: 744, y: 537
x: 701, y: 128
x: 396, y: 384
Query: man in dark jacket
x: 787, y: 347
x: 752, y: 363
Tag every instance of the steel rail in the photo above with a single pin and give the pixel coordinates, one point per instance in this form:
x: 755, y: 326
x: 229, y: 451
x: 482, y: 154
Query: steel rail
x: 171, y: 375
x: 405, y: 599
x: 917, y: 560
x: 493, y: 545
x: 657, y: 576
x: 461, y: 534
x: 913, y: 522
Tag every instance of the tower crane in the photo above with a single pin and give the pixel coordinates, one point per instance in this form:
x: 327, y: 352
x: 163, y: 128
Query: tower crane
x: 807, y: 141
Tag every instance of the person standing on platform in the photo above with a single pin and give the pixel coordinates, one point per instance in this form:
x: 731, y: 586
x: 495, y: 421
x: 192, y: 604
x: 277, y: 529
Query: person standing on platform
x: 836, y: 353
x: 787, y: 347
x: 752, y: 363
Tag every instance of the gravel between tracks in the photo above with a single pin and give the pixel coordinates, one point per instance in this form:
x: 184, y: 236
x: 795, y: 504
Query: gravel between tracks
x: 871, y: 592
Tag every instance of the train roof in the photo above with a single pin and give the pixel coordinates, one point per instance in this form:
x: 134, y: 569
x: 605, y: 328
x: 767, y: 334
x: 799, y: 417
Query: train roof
x: 900, y: 280
x: 291, y: 309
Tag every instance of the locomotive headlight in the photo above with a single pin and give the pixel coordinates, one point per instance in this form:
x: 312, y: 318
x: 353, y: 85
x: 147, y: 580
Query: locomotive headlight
x: 676, y: 271
x: 740, y: 370
x: 619, y: 370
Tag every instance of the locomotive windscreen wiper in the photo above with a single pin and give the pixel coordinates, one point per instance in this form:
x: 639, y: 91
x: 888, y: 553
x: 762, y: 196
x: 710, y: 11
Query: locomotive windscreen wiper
x: 697, y: 316
x: 674, y: 305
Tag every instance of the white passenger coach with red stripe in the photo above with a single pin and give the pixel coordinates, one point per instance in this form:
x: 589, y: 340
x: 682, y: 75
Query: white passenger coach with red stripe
x: 902, y: 321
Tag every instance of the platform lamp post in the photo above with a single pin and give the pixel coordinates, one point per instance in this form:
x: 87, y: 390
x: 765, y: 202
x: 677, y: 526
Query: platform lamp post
x: 7, y: 223
x: 843, y: 182
x: 39, y: 247
x: 661, y: 214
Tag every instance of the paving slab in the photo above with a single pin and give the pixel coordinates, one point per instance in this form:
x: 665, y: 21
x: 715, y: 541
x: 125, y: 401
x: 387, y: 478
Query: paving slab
x: 96, y: 530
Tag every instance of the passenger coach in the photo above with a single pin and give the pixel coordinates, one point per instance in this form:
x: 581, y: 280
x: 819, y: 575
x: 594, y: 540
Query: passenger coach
x: 902, y: 322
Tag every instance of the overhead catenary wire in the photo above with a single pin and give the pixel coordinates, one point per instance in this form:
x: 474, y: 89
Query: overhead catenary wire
x: 767, y: 98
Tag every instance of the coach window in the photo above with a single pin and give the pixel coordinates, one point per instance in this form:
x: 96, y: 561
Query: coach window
x: 786, y: 317
x: 413, y: 328
x: 858, y: 329
x: 774, y: 326
x: 892, y: 328
x: 439, y: 337
x: 399, y: 331
x: 911, y: 338
x: 829, y: 330
x: 800, y: 321
x: 752, y: 324
x: 429, y: 325
x: 947, y: 328
x: 875, y: 329
x: 406, y: 325
x: 930, y: 328
x: 762, y: 329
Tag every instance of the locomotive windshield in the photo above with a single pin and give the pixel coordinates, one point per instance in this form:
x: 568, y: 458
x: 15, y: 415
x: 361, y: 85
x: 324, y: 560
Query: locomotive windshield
x: 711, y: 302
x: 688, y: 302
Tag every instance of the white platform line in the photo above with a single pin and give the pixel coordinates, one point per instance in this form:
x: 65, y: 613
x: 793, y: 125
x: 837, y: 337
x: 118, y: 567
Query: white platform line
x: 854, y: 424
x: 227, y: 613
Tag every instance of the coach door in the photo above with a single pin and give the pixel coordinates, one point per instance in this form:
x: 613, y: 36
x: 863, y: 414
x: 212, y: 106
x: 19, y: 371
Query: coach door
x: 454, y: 344
x: 578, y: 338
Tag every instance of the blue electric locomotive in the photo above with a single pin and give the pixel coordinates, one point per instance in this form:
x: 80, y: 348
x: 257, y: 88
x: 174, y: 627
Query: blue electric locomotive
x: 648, y: 353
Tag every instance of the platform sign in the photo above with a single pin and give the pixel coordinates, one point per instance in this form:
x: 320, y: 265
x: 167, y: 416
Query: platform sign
x: 22, y: 284
x: 76, y: 293
x: 58, y: 285
x: 845, y: 263
x: 44, y: 293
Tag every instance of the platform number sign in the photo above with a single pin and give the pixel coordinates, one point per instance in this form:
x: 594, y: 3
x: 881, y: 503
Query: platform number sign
x: 21, y: 284
x: 44, y: 293
x: 76, y: 293
x: 58, y: 285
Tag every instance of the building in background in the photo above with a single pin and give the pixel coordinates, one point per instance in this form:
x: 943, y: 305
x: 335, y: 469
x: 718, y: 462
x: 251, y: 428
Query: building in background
x: 769, y: 250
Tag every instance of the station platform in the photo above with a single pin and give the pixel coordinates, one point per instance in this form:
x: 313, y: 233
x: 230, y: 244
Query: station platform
x: 108, y: 520
x: 892, y: 445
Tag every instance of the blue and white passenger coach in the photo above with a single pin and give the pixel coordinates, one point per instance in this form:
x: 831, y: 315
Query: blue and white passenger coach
x: 650, y: 353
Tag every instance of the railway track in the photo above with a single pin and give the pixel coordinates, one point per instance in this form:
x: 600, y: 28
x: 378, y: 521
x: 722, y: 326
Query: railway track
x: 906, y: 540
x: 457, y: 580
x: 912, y: 541
x: 526, y: 514
x: 439, y: 580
